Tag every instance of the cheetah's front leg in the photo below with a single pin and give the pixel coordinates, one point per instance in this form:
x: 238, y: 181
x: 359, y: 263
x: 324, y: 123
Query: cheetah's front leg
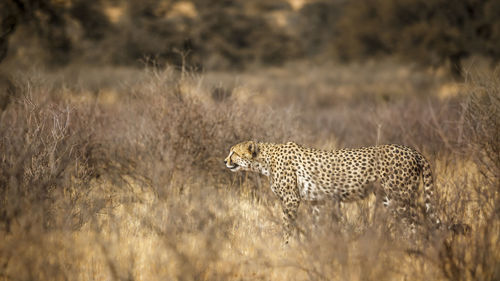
x: 290, y: 204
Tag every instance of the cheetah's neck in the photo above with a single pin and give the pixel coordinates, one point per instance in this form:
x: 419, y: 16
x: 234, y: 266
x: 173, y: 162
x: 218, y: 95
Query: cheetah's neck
x: 263, y: 163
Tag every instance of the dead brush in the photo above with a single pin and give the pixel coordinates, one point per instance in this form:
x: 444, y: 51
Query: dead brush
x: 477, y: 257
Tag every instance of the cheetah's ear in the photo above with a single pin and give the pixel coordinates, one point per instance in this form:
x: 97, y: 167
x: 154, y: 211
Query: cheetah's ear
x: 253, y: 148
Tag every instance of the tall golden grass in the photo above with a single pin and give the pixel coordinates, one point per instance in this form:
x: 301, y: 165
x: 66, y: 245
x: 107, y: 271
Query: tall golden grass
x: 118, y: 175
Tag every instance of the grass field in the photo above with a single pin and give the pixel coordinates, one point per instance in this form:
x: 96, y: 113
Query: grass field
x: 117, y: 174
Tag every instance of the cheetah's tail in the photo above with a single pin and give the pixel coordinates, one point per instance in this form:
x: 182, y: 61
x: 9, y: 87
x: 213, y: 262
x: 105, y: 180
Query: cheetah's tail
x: 428, y: 190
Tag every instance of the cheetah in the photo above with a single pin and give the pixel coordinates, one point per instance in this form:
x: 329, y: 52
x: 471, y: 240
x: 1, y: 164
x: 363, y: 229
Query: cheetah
x: 298, y: 173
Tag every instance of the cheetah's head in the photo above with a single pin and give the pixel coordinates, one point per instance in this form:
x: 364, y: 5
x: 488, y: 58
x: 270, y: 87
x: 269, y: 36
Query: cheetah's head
x: 242, y: 156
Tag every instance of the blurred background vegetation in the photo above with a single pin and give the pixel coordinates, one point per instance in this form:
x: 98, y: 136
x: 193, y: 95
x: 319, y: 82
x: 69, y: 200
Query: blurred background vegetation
x: 219, y: 34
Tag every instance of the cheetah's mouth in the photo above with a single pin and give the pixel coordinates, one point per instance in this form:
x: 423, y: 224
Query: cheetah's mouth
x: 234, y: 168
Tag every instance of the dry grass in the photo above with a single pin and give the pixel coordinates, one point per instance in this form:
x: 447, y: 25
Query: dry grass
x: 119, y: 175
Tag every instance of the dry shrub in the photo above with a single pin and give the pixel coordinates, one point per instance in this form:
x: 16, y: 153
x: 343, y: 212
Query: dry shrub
x: 169, y: 124
x: 482, y: 114
x: 44, y: 145
x: 83, y: 171
x: 44, y: 182
x: 477, y: 257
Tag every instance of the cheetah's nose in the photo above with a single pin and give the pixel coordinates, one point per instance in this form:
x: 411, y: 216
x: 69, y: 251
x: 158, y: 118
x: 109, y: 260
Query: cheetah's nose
x: 225, y: 161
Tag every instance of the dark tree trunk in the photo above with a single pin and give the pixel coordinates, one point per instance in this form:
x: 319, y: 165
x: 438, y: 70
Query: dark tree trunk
x: 8, y: 24
x: 3, y: 48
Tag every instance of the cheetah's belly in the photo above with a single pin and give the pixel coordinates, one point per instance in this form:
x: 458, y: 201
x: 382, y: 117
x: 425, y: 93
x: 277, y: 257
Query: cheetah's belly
x: 311, y: 191
x: 343, y: 190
